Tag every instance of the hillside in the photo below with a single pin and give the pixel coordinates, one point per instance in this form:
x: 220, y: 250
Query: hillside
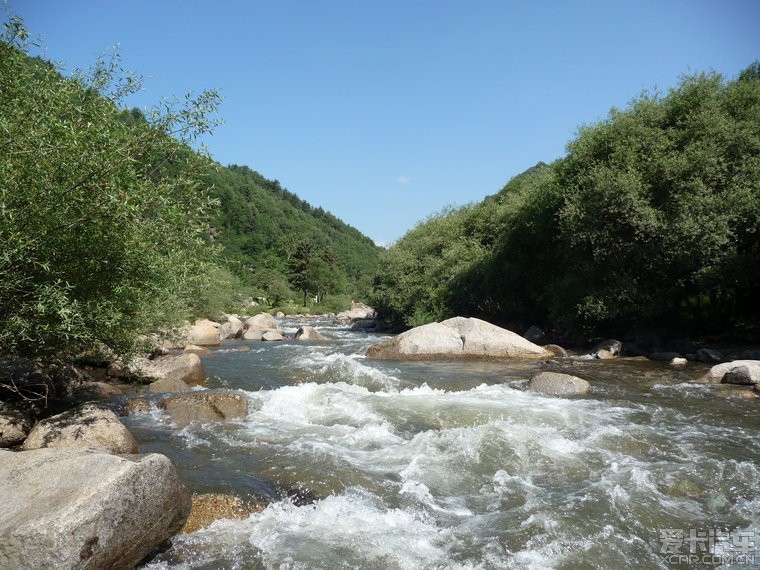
x: 271, y: 236
x: 652, y: 218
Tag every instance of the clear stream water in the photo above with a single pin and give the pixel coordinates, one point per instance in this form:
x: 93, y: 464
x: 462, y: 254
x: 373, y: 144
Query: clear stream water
x: 453, y: 465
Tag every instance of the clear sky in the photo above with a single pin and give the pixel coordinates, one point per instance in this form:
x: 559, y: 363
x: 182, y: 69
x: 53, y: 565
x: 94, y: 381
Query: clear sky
x: 384, y: 111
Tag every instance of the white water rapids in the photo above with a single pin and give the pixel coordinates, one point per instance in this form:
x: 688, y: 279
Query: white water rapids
x: 453, y: 465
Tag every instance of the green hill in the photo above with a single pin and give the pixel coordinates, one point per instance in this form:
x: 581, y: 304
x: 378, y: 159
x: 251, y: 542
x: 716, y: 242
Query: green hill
x: 271, y: 237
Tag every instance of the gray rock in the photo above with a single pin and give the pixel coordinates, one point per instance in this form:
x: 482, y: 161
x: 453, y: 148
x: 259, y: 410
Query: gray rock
x: 195, y: 349
x: 186, y: 367
x: 204, y: 333
x: 457, y: 338
x: 253, y: 334
x: 205, y: 407
x: 87, y: 425
x: 231, y: 330
x: 85, y: 509
x: 708, y: 355
x: 272, y: 336
x: 168, y: 385
x: 534, y: 334
x: 556, y: 350
x: 741, y: 375
x: 308, y: 333
x: 603, y: 354
x: 611, y: 345
x: 557, y: 384
x: 96, y: 390
x: 718, y: 372
x: 261, y: 321
x: 361, y: 324
x: 15, y: 425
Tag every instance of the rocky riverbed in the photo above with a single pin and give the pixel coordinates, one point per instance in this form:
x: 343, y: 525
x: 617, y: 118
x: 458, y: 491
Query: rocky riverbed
x: 309, y: 452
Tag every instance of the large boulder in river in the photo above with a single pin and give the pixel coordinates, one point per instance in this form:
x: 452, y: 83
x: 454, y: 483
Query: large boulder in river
x: 204, y: 333
x: 262, y: 321
x: 609, y: 348
x: 86, y: 509
x: 15, y: 425
x: 308, y: 333
x: 457, y: 339
x: 205, y: 407
x: 231, y: 330
x: 272, y: 336
x: 737, y: 371
x: 557, y: 384
x: 186, y: 367
x: 87, y: 425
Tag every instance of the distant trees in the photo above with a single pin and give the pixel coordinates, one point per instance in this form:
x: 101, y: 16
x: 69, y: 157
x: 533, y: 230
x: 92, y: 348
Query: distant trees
x: 653, y: 215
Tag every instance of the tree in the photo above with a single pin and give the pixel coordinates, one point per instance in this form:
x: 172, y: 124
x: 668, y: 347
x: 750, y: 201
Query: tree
x: 103, y: 220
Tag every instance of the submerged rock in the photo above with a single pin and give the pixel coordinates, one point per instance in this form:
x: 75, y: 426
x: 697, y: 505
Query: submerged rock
x: 210, y: 507
x: 205, y: 407
x: 83, y: 508
x: 168, y: 385
x: 457, y: 338
x: 557, y: 384
x: 87, y: 425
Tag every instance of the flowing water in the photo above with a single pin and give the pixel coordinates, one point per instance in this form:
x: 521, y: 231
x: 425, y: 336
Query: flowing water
x: 371, y: 464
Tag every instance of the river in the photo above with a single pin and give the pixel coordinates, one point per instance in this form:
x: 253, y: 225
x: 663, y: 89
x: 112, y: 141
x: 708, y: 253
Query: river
x: 452, y: 465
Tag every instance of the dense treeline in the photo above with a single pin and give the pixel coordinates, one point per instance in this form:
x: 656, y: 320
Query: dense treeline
x: 112, y: 226
x: 103, y: 224
x: 275, y: 242
x: 652, y: 217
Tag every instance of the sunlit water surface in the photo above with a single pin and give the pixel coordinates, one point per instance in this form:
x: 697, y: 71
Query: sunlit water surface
x: 453, y: 465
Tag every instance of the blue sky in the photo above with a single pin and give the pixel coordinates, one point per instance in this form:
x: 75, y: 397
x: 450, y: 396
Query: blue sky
x: 385, y: 111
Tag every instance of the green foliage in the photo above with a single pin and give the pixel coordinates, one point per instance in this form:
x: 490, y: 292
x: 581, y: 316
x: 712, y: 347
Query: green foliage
x: 103, y: 220
x: 653, y: 215
x: 268, y: 231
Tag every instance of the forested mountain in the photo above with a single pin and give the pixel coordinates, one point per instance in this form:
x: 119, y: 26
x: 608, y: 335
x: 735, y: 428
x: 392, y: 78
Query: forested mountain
x: 272, y: 239
x: 652, y: 217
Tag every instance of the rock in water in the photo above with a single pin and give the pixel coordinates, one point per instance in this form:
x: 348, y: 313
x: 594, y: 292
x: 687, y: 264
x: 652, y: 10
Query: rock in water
x: 458, y: 338
x: 204, y: 333
x: 738, y: 371
x: 214, y: 506
x: 557, y: 384
x: 260, y: 322
x: 83, y: 508
x: 186, y: 367
x: 87, y: 425
x: 205, y: 407
x: 272, y: 336
x: 426, y: 342
x: 308, y: 333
